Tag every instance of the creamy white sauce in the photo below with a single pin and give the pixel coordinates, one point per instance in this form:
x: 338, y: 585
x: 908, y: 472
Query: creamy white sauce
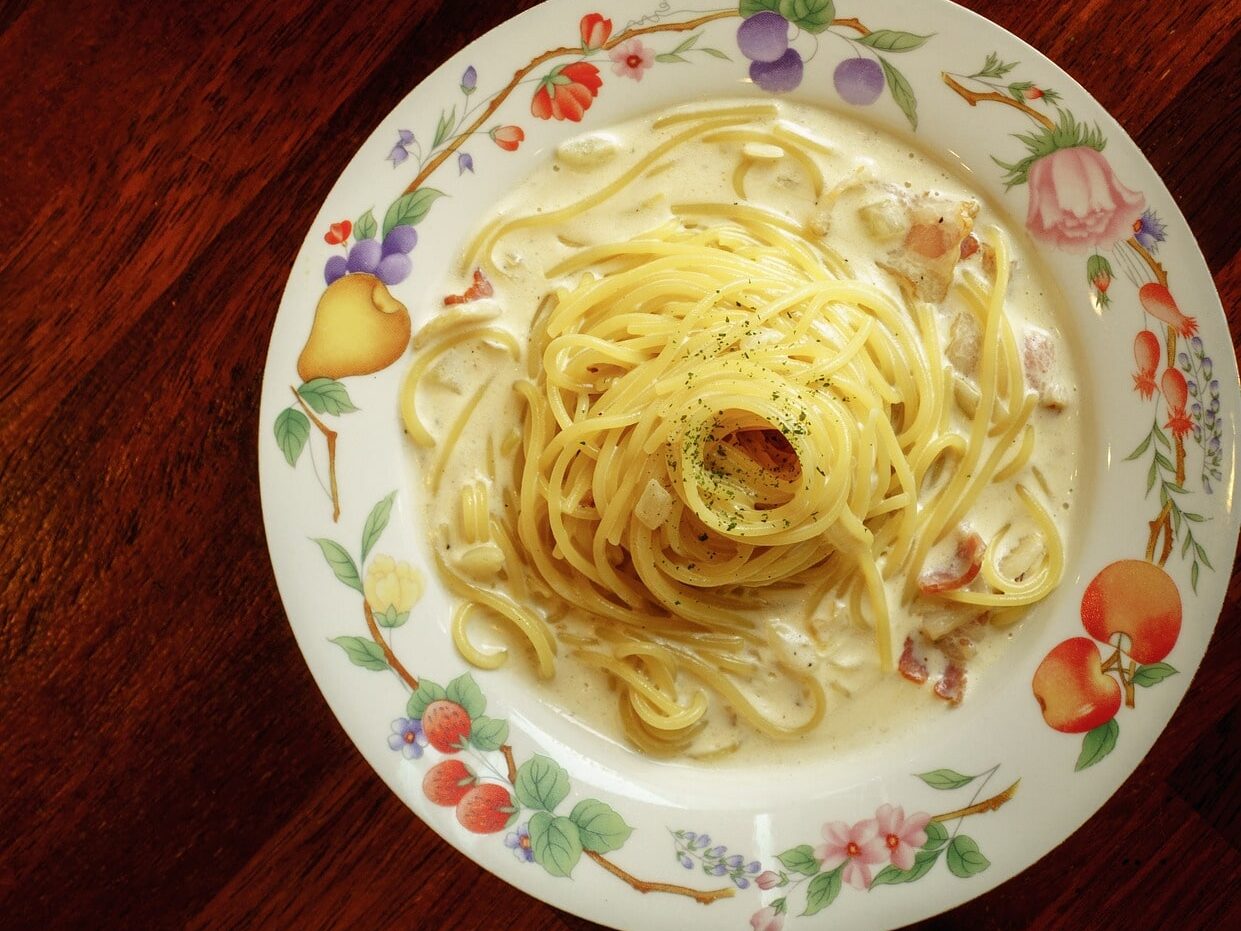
x: 865, y: 705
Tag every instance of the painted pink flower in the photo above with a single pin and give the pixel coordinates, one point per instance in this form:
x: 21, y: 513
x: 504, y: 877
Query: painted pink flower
x: 767, y: 880
x: 767, y: 919
x: 858, y: 847
x: 630, y: 59
x: 901, y: 836
x: 1077, y: 203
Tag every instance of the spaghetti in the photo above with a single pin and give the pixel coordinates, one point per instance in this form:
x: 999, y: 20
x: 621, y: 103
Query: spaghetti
x: 714, y: 410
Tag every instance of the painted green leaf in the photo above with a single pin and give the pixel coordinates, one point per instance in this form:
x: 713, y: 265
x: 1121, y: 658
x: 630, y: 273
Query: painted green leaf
x: 668, y: 58
x: 810, y: 15
x: 391, y: 617
x: 1141, y: 449
x: 715, y: 53
x: 1202, y: 554
x: 688, y: 44
x: 488, y: 733
x: 945, y: 779
x: 376, y: 521
x: 1151, y: 673
x: 443, y: 128
x: 292, y: 431
x: 555, y: 843
x: 326, y: 396
x: 1193, y: 577
x: 541, y: 783
x: 422, y: 696
x: 892, y: 875
x: 466, y: 693
x: 341, y: 562
x: 600, y: 827
x: 366, y: 227
x: 409, y: 209
x: 964, y: 857
x: 363, y: 651
x: 892, y: 40
x: 902, y: 92
x: 1097, y: 744
x: 749, y: 7
x: 823, y: 890
x: 800, y: 860
x: 936, y: 836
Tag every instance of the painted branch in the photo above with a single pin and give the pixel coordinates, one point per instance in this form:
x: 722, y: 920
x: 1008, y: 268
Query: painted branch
x: 410, y: 679
x: 521, y: 73
x: 510, y: 763
x: 987, y: 804
x: 705, y: 897
x: 330, y: 435
x: 1161, y: 524
x: 1143, y: 253
x: 973, y: 98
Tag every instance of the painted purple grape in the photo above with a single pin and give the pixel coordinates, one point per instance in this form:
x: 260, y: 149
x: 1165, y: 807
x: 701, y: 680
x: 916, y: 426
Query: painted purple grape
x: 763, y: 37
x: 364, y: 256
x: 779, y: 76
x: 859, y: 81
x: 336, y: 267
x: 400, y: 239
x: 394, y: 268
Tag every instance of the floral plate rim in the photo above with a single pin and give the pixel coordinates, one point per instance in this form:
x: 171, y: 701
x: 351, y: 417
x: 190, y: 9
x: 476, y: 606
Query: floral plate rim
x: 556, y: 815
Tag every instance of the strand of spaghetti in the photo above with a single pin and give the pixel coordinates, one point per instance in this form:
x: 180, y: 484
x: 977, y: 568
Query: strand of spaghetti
x: 444, y: 450
x: 461, y: 640
x: 498, y: 228
x: 409, y: 387
x: 1048, y: 579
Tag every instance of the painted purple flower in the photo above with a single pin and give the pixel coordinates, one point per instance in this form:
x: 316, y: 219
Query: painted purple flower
x: 716, y: 851
x: 469, y: 80
x: 741, y: 882
x: 405, y: 137
x: 1149, y: 231
x: 685, y: 861
x: 465, y: 162
x: 397, y: 155
x: 519, y: 841
x: 407, y: 737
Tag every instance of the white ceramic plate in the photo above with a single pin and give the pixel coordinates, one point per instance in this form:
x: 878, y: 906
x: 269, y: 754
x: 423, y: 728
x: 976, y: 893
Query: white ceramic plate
x: 594, y: 823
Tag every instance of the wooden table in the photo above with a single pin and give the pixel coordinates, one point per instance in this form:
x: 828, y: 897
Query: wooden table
x: 165, y: 758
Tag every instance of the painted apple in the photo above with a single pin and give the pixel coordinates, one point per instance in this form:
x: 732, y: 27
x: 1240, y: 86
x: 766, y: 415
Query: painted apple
x: 1137, y: 598
x: 1076, y: 695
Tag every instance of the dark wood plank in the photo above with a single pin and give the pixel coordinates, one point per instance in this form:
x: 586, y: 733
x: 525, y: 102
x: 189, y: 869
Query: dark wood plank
x: 166, y: 757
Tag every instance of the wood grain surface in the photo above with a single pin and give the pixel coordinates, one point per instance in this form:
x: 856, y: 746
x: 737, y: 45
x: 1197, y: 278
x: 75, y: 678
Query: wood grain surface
x: 165, y: 758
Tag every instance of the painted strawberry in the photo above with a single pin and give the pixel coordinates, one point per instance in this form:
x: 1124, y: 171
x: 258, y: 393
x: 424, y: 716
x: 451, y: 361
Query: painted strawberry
x: 1146, y: 354
x: 486, y: 808
x: 447, y: 725
x: 448, y: 782
x: 1157, y: 301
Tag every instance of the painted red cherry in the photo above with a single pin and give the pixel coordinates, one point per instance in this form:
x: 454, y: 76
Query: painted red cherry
x: 1072, y: 689
x: 1137, y: 598
x: 447, y: 725
x: 485, y: 809
x: 448, y: 782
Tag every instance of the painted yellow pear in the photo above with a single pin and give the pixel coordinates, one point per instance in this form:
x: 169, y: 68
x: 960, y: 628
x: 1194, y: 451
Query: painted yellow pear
x: 359, y: 328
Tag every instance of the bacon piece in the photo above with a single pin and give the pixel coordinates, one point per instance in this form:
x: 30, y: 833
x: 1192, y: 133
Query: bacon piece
x: 969, y: 245
x: 1038, y: 358
x: 964, y: 568
x: 934, y: 231
x: 951, y: 685
x: 910, y: 666
x: 480, y: 288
